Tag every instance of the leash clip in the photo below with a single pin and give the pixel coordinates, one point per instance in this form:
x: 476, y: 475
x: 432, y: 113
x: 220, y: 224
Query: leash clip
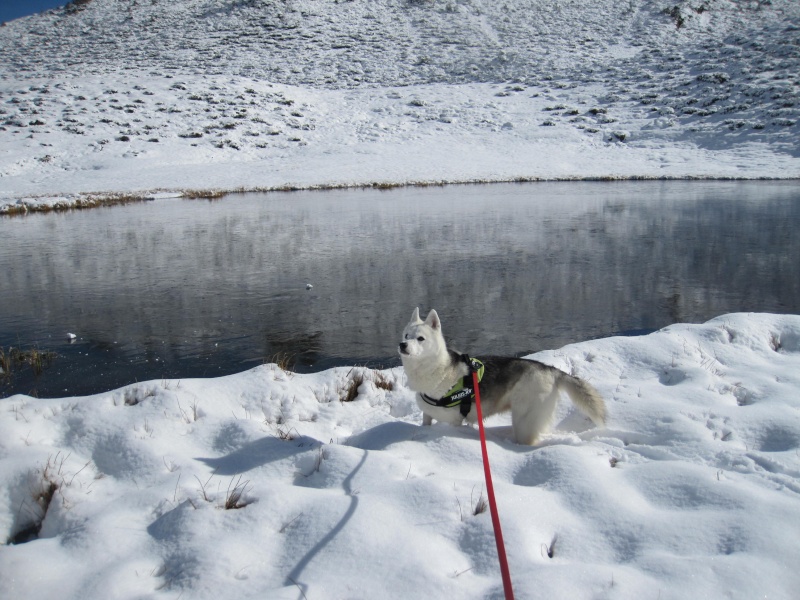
x: 466, y: 402
x: 472, y: 364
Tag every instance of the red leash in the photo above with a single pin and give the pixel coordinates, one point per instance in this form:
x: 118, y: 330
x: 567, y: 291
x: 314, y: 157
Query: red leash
x: 498, y: 532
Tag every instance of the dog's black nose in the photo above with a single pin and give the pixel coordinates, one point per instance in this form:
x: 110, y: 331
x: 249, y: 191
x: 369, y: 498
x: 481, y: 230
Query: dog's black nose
x: 403, y: 346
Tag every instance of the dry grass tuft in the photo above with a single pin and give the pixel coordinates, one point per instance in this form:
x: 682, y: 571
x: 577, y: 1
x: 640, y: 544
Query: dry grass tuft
x: 349, y: 391
x: 234, y: 498
x: 34, y: 358
x: 283, y: 360
x: 480, y: 506
x: 52, y: 479
x: 5, y: 365
x: 287, y: 434
x: 382, y: 382
x: 86, y: 201
x: 358, y: 376
x: 204, y: 194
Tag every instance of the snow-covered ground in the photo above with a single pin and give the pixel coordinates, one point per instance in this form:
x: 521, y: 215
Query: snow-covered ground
x: 111, y: 99
x: 691, y: 491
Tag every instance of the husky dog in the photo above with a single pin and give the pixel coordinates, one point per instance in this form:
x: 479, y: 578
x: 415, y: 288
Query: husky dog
x: 442, y: 379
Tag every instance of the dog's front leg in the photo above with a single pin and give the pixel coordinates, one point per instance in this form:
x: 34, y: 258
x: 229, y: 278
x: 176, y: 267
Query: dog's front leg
x: 426, y: 419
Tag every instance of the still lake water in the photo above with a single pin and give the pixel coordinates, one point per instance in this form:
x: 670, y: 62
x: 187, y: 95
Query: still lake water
x: 188, y: 288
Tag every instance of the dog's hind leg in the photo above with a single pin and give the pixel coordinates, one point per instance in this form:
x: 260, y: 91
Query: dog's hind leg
x: 531, y: 415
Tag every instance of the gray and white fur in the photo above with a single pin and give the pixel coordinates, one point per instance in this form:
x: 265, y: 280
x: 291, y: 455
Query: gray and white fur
x: 528, y: 388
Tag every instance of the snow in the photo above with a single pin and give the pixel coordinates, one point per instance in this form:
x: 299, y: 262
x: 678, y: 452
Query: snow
x: 104, y: 99
x: 690, y: 491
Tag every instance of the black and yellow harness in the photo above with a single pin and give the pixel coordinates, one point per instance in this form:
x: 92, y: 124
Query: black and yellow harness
x: 463, y: 392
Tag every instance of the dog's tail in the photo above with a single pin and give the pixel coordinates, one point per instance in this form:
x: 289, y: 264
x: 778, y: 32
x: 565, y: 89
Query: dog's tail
x: 585, y: 397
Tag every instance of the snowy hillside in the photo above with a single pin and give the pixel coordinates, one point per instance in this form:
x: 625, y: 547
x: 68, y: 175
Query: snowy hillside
x: 130, y: 97
x: 270, y: 484
x: 333, y: 43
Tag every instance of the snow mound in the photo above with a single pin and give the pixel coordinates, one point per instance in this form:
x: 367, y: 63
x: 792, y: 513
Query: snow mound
x: 280, y: 485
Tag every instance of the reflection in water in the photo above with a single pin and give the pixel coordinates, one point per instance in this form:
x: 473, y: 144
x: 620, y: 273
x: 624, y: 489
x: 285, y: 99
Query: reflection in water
x: 179, y: 288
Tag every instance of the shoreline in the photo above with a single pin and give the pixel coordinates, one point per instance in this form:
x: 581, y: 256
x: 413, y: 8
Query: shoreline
x: 85, y: 201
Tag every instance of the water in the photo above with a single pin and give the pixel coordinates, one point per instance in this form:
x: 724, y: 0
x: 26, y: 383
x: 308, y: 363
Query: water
x: 188, y: 288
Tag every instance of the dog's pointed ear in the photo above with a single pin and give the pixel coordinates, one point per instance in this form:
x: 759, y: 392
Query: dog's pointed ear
x: 415, y: 316
x: 433, y: 321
